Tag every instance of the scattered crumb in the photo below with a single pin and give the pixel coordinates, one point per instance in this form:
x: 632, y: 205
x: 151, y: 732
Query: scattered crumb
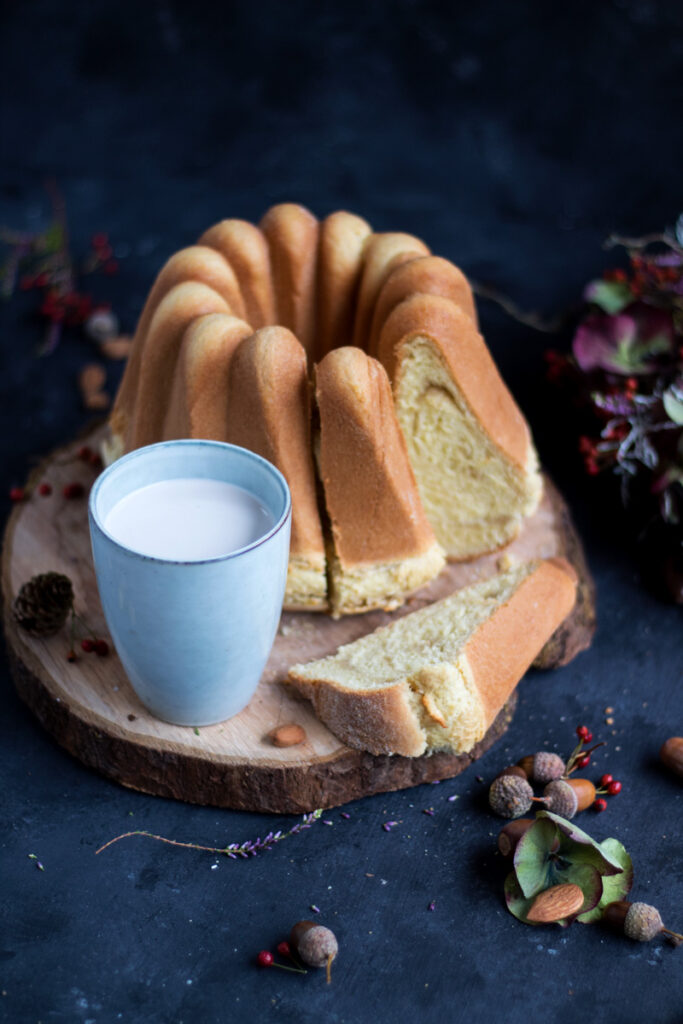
x: 608, y: 711
x: 609, y: 721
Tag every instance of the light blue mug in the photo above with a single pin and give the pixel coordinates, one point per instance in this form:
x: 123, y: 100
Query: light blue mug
x: 193, y: 637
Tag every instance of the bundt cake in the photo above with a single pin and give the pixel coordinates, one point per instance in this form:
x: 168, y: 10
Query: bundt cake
x: 418, y: 451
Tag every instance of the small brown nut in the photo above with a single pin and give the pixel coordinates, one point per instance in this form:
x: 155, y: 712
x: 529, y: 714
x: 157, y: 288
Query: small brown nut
x: 116, y: 348
x: 287, y: 735
x: 92, y: 378
x: 556, y: 903
x: 671, y: 755
x: 96, y: 400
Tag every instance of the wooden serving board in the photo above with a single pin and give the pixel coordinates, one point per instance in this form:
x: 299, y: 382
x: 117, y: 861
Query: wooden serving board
x: 91, y: 709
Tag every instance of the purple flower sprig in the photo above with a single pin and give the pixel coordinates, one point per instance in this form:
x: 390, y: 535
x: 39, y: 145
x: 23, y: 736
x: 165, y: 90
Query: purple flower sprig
x: 250, y: 848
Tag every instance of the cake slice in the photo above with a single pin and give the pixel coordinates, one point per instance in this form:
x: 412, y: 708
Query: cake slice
x: 385, y: 251
x: 469, y: 444
x: 343, y: 237
x: 383, y: 546
x: 437, y: 678
x: 428, y: 275
x: 268, y: 412
x: 292, y: 235
x: 245, y: 248
x: 198, y: 406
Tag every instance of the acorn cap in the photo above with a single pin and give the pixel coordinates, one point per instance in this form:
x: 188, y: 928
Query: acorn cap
x: 560, y: 798
x: 510, y: 796
x: 547, y: 767
x: 642, y: 922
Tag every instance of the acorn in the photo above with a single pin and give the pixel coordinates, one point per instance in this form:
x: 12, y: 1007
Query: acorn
x: 561, y: 798
x: 513, y: 769
x: 510, y: 835
x: 316, y: 945
x: 543, y: 767
x: 638, y: 921
x: 585, y: 792
x: 510, y: 796
x: 671, y: 755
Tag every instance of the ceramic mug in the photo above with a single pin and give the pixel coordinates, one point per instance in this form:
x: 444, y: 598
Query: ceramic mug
x: 193, y: 637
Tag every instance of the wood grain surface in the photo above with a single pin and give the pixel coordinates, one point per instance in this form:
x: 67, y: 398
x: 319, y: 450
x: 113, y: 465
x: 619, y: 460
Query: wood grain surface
x: 91, y: 709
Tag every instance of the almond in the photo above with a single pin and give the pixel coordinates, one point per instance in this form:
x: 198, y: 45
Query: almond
x: 287, y: 735
x: 555, y: 903
x: 671, y: 755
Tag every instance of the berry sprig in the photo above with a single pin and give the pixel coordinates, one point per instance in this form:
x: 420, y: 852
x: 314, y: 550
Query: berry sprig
x: 266, y: 959
x: 511, y: 794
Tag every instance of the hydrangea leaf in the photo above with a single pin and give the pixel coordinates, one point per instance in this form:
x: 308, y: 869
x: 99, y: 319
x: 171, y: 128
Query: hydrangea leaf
x: 531, y: 858
x: 610, y: 296
x: 581, y: 848
x: 516, y: 901
x: 615, y: 887
x: 673, y: 402
x: 624, y: 343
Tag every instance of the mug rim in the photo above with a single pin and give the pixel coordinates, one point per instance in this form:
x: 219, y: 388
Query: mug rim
x: 193, y: 443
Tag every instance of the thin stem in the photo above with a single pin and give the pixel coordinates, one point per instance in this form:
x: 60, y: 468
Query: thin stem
x: 329, y: 968
x: 294, y: 970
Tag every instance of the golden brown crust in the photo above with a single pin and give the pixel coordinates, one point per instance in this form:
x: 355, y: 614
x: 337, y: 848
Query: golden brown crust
x: 198, y: 405
x: 469, y: 362
x: 343, y: 237
x: 292, y: 235
x: 268, y: 412
x: 383, y: 252
x: 160, y: 349
x: 380, y: 721
x: 502, y: 649
x: 370, y: 491
x: 245, y: 248
x: 195, y: 263
x: 427, y: 275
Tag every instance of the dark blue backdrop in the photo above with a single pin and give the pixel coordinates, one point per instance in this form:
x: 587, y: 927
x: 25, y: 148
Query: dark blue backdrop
x: 512, y: 137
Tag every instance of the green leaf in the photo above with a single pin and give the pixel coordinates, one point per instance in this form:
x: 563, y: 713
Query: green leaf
x: 582, y: 848
x: 673, y: 404
x: 610, y: 296
x: 515, y: 900
x: 615, y: 887
x: 531, y: 858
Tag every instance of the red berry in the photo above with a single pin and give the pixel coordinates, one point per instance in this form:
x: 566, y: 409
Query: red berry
x: 599, y: 805
x: 88, y: 645
x: 614, y: 788
x: 71, y: 656
x: 95, y: 460
x: 605, y: 779
x: 581, y: 731
x: 41, y: 280
x: 583, y: 761
x: 17, y: 494
x: 45, y: 489
x: 587, y: 737
x: 85, y: 453
x: 73, y: 490
x: 631, y: 383
x: 101, y: 648
x: 265, y: 958
x: 283, y: 949
x: 99, y: 239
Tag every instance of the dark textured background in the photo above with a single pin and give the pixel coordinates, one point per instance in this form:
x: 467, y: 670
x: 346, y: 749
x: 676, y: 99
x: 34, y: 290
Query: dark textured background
x: 512, y: 137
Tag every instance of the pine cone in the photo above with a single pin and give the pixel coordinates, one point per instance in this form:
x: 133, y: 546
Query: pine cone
x: 43, y: 604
